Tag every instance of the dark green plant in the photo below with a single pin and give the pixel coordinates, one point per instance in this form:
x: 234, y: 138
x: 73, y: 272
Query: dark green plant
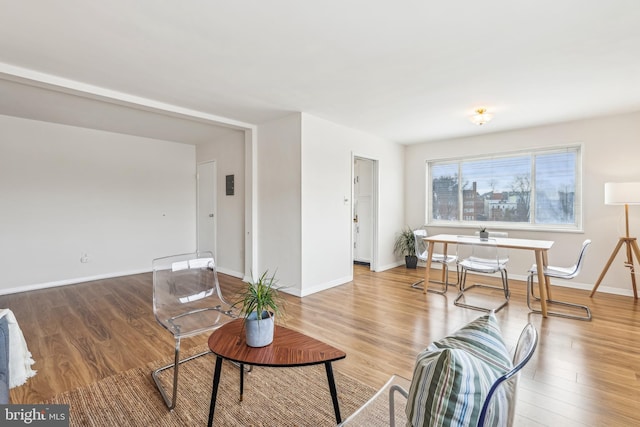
x: 260, y: 295
x: 483, y: 229
x: 405, y: 243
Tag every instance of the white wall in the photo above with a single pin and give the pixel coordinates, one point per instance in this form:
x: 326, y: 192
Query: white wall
x: 228, y: 151
x: 123, y: 200
x: 611, y: 149
x: 279, y: 201
x: 304, y: 176
x: 327, y: 163
x: 66, y: 191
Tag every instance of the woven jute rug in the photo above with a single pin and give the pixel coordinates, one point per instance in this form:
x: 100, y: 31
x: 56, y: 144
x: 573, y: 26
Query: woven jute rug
x: 272, y: 397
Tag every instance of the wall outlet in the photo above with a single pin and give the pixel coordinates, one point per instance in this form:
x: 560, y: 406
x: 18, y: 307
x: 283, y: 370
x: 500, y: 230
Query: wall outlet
x: 84, y: 258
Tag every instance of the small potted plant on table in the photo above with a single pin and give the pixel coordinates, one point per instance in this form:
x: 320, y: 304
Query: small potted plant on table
x: 484, y: 234
x: 259, y: 303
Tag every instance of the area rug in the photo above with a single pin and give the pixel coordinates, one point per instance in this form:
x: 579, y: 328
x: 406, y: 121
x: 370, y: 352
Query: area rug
x: 272, y: 397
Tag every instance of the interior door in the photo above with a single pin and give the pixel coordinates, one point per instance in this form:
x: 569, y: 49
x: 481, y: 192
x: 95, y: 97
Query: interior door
x: 362, y: 210
x: 206, y: 222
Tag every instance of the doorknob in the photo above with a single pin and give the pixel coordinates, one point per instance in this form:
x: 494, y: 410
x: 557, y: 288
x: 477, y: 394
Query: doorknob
x: 210, y: 215
x: 355, y: 219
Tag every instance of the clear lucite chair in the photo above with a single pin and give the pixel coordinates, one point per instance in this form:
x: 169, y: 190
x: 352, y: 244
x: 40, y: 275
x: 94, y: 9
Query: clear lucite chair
x: 422, y: 253
x: 481, y: 257
x: 565, y: 273
x: 187, y: 301
x: 504, y: 390
x: 387, y: 406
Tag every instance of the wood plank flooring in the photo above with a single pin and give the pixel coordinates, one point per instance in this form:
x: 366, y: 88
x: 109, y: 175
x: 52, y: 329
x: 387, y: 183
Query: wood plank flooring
x: 583, y: 373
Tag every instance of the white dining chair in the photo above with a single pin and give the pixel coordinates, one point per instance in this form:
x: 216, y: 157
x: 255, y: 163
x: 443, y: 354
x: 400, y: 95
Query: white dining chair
x: 443, y: 259
x: 565, y: 273
x: 481, y: 257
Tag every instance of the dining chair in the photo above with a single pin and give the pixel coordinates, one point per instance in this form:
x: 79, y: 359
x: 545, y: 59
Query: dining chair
x: 481, y: 256
x: 496, y: 407
x: 187, y: 301
x: 565, y: 273
x: 444, y: 259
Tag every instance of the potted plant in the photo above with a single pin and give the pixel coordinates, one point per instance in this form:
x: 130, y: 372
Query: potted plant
x: 406, y: 245
x: 484, y: 234
x: 259, y: 302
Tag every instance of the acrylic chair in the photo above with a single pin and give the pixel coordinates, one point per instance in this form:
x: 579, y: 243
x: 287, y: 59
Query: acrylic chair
x: 481, y: 257
x: 422, y: 253
x: 565, y: 273
x: 387, y: 406
x: 187, y: 301
x: 504, y: 389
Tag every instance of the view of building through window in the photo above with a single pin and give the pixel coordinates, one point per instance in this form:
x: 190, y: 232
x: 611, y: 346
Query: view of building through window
x: 531, y: 188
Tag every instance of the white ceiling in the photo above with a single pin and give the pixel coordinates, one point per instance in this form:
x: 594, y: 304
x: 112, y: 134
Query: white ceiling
x: 408, y: 71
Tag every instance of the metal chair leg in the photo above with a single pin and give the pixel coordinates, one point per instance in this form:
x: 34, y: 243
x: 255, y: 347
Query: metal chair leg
x: 530, y: 294
x: 171, y: 402
x: 463, y: 279
x: 445, y: 285
x: 392, y: 402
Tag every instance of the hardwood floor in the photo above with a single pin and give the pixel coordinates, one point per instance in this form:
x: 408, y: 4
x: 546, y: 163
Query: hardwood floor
x: 583, y: 373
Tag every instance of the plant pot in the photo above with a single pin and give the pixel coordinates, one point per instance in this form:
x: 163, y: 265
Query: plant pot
x: 411, y: 261
x: 259, y: 332
x: 484, y: 235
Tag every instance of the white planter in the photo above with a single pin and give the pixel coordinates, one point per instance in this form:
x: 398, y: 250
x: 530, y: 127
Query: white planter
x: 259, y: 332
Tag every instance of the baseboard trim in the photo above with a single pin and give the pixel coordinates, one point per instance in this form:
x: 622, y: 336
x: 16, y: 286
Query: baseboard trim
x: 324, y: 286
x: 73, y: 281
x: 564, y: 284
x: 232, y: 273
x: 313, y: 290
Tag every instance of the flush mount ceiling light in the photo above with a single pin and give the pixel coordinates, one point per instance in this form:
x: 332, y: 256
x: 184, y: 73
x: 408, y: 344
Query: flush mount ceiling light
x: 481, y: 116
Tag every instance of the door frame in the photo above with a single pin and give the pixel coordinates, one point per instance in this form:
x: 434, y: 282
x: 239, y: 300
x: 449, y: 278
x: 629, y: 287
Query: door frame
x: 374, y: 208
x: 215, y: 194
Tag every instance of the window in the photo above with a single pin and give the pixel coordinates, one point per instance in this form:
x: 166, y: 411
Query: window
x: 531, y: 189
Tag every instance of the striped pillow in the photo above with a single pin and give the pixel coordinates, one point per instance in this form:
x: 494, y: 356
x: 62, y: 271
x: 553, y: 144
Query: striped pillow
x: 453, y: 375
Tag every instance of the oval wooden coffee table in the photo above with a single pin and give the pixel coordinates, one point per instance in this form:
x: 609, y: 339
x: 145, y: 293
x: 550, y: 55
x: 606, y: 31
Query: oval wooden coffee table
x: 289, y: 348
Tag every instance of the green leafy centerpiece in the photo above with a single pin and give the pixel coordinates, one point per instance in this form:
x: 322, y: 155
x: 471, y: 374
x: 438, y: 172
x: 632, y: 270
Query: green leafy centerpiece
x: 259, y: 302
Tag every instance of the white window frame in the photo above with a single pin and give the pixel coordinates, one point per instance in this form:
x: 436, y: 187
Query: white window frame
x: 531, y: 225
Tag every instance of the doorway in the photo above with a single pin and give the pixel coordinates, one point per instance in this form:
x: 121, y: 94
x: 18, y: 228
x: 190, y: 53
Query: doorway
x: 207, y: 196
x: 364, y: 208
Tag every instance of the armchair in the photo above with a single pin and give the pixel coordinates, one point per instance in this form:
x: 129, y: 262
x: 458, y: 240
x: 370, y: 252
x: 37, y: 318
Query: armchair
x: 440, y: 393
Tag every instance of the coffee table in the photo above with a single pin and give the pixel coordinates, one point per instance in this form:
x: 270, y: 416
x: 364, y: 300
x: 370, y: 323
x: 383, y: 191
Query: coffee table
x: 288, y: 349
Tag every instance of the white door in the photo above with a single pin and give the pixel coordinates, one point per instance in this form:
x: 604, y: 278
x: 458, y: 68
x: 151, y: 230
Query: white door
x: 207, y: 207
x: 362, y: 210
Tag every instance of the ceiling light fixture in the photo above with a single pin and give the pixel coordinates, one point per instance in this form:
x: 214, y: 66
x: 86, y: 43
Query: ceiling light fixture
x: 481, y: 116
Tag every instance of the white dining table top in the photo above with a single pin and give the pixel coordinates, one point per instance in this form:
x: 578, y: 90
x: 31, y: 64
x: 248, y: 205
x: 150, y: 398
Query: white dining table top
x: 504, y: 242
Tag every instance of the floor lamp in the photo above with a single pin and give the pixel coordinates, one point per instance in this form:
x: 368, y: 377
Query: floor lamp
x: 623, y: 193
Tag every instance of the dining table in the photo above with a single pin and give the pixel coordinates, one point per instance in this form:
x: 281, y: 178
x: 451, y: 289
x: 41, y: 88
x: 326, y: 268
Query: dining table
x: 540, y: 249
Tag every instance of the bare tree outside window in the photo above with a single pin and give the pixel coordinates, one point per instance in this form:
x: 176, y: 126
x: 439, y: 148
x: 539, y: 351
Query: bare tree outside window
x: 521, y: 189
x: 556, y: 188
x: 504, y: 189
x: 445, y: 193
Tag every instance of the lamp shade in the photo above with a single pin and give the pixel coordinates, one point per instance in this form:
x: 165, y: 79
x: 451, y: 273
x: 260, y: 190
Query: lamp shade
x: 622, y: 193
